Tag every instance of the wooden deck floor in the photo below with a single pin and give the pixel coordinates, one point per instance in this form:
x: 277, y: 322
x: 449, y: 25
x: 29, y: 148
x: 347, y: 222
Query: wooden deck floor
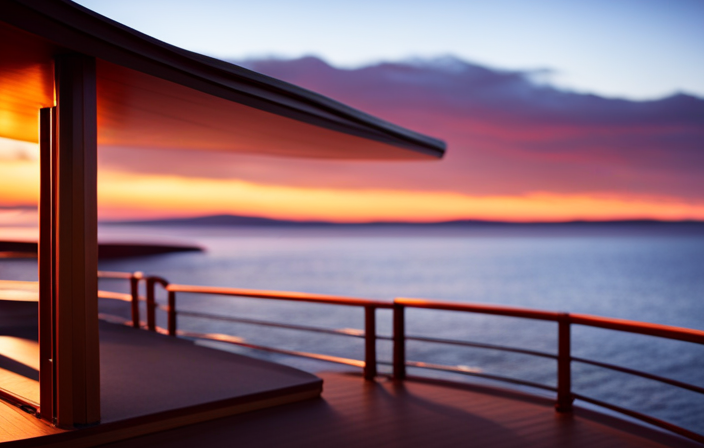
x: 17, y: 425
x: 19, y: 367
x: 149, y: 382
x: 355, y: 413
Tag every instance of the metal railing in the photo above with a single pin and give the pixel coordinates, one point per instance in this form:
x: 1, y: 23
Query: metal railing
x: 369, y: 364
x: 399, y: 362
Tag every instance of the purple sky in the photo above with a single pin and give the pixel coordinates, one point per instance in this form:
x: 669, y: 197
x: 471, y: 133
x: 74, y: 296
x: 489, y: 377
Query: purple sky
x: 507, y: 135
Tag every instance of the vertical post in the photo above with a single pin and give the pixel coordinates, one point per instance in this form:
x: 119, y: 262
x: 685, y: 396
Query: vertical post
x: 399, y: 342
x: 134, y: 292
x: 151, y: 304
x: 47, y: 139
x: 172, y: 313
x: 369, y: 342
x: 564, y: 365
x: 76, y: 261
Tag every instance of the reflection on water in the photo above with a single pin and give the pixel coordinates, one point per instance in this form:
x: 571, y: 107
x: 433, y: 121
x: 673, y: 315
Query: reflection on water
x: 647, y: 277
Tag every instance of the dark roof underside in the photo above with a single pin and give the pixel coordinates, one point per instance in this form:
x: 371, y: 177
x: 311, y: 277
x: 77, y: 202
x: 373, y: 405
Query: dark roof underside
x: 154, y: 95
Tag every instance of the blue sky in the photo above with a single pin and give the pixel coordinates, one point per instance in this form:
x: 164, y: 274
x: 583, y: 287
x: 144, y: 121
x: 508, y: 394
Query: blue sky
x: 638, y: 49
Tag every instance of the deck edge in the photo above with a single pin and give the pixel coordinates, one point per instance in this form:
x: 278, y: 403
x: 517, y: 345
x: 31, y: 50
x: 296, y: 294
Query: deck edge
x: 163, y: 421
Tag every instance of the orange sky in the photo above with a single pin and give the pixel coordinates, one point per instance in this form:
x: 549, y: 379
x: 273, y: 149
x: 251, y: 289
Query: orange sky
x: 517, y: 151
x: 129, y: 195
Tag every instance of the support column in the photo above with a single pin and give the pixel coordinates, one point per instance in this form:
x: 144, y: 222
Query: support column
x: 76, y: 361
x: 564, y: 365
x: 399, y: 336
x: 46, y: 253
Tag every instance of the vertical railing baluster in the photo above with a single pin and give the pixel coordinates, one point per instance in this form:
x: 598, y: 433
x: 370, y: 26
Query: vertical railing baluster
x: 564, y: 365
x: 151, y: 304
x: 369, y: 342
x: 134, y: 292
x: 399, y: 337
x: 172, y: 313
x: 151, y: 300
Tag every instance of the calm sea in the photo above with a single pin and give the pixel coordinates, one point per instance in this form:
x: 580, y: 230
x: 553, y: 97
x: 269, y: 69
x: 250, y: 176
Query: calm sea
x: 623, y: 272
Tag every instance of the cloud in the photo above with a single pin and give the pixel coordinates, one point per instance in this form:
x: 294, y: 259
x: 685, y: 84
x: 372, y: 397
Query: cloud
x: 448, y: 84
x: 519, y: 149
x: 507, y: 134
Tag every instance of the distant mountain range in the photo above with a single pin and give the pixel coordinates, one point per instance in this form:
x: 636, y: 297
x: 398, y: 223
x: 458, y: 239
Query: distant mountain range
x: 251, y: 221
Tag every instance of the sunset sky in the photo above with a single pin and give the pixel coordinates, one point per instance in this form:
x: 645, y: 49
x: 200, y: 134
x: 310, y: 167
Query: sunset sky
x: 552, y: 111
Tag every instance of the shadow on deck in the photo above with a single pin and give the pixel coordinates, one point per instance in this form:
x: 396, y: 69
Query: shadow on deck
x: 356, y: 413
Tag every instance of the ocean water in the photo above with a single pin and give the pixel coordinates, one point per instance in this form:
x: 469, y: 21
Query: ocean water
x: 630, y: 273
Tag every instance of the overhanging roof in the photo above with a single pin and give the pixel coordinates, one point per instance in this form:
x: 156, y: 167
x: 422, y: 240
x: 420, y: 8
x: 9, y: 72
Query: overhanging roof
x: 154, y: 95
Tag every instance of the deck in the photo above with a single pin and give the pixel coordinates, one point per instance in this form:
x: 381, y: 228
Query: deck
x: 162, y: 391
x: 151, y: 382
x: 355, y: 413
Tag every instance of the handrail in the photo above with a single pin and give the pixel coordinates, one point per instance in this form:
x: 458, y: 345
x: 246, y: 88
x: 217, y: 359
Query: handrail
x: 630, y: 326
x: 279, y: 295
x: 564, y: 321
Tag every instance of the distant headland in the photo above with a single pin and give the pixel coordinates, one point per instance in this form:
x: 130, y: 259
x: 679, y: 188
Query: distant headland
x: 237, y: 220
x: 635, y: 227
x: 28, y: 249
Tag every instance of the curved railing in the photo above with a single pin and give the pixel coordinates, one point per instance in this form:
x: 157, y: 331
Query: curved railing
x: 564, y: 321
x: 565, y: 395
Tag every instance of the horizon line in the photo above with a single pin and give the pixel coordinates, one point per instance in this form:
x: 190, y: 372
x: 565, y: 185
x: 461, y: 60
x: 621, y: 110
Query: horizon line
x: 254, y: 220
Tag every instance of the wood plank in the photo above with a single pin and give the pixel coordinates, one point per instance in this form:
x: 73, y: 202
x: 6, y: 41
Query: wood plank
x: 19, y: 385
x: 16, y: 424
x: 19, y: 367
x: 356, y: 413
x: 151, y: 382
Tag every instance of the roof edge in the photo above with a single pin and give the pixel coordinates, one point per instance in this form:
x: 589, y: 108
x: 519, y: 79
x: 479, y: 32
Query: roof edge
x: 77, y: 28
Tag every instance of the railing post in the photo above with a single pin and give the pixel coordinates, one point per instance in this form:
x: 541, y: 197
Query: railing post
x: 564, y: 365
x: 151, y: 304
x: 399, y: 342
x: 369, y: 342
x: 134, y: 292
x: 172, y: 313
